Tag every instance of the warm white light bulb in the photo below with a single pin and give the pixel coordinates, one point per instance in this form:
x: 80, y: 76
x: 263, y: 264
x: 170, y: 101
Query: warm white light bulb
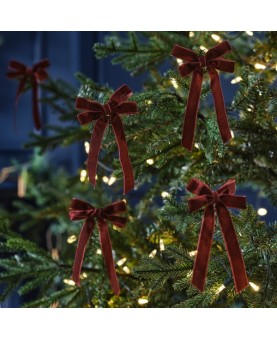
x: 191, y: 34
x: 142, y: 301
x: 174, y: 83
x: 83, y: 175
x: 165, y: 194
x: 69, y: 282
x: 126, y: 270
x: 153, y: 253
x: 162, y: 247
x: 98, y: 252
x: 259, y: 66
x: 111, y: 180
x: 262, y: 211
x: 220, y: 289
x: 192, y: 253
x: 86, y: 145
x: 121, y: 261
x: 105, y: 179
x: 203, y: 48
x: 254, y: 286
x: 150, y: 161
x: 236, y: 80
x: 216, y: 37
x: 232, y: 134
x: 250, y: 33
x: 71, y: 239
x: 179, y: 61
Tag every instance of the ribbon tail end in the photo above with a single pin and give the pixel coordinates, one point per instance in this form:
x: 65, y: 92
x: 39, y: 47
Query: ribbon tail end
x: 187, y: 144
x: 199, y: 286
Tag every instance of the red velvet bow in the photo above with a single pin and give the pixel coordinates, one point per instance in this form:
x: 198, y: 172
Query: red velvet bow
x: 35, y: 75
x: 80, y: 210
x: 195, y: 64
x: 217, y: 202
x: 103, y: 114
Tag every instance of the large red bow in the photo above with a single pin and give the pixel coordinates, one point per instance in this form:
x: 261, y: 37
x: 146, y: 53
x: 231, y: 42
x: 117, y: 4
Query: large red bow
x: 80, y: 210
x: 34, y: 74
x: 103, y: 114
x: 217, y: 202
x: 195, y: 64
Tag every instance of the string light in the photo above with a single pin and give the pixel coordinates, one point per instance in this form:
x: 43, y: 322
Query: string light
x: 220, y: 289
x: 55, y: 254
x: 111, y: 180
x: 105, y: 179
x: 203, y: 48
x: 174, y: 83
x: 83, y: 175
x: 216, y: 37
x: 69, y: 282
x: 254, y: 286
x: 249, y: 33
x: 150, y: 161
x: 142, y: 301
x: 232, y: 134
x: 126, y: 270
x: 192, y: 253
x: 85, y: 275
x: 196, y: 145
x: 124, y: 200
x: 98, y: 252
x: 86, y: 145
x: 121, y: 261
x: 179, y: 61
x: 236, y: 80
x: 148, y: 102
x: 153, y: 253
x: 191, y: 34
x: 71, y: 239
x: 162, y: 248
x: 259, y: 66
x: 165, y: 194
x: 262, y: 211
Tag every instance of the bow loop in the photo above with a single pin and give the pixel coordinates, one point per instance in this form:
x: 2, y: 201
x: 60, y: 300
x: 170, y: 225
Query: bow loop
x: 120, y: 96
x: 217, y: 201
x: 218, y: 50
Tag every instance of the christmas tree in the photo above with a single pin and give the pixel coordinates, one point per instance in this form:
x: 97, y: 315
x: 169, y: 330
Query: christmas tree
x: 155, y: 252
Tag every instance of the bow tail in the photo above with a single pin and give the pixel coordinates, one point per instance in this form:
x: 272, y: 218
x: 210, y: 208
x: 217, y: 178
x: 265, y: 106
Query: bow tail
x: 108, y: 255
x: 123, y: 154
x: 219, y: 106
x: 84, y: 237
x: 233, y: 249
x: 192, y: 109
x: 95, y: 145
x: 203, y: 249
x: 35, y: 105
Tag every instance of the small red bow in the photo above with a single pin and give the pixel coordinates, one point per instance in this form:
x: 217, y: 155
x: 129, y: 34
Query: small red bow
x: 35, y: 75
x: 217, y: 202
x: 80, y: 210
x: 103, y: 114
x: 195, y: 64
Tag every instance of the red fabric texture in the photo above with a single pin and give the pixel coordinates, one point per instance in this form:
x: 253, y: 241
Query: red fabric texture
x: 81, y: 210
x: 34, y: 75
x: 216, y: 203
x: 195, y: 64
x: 103, y: 115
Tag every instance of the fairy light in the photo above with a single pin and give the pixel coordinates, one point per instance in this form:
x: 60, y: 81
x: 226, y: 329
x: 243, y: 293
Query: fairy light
x: 85, y: 275
x: 126, y: 270
x: 105, y: 179
x: 111, y: 180
x: 191, y: 34
x: 69, y: 282
x: 259, y: 66
x: 83, y: 175
x: 236, y: 80
x: 192, y: 253
x: 254, y: 286
x: 220, y: 289
x: 165, y: 194
x: 196, y: 145
x: 142, y: 301
x: 216, y: 37
x: 153, y: 253
x: 71, y: 239
x: 86, y: 145
x: 179, y: 61
x: 124, y: 200
x: 262, y: 211
x: 203, y: 48
x: 174, y: 83
x: 98, y: 252
x: 232, y: 134
x: 121, y: 261
x: 162, y: 248
x: 250, y: 33
x: 150, y: 161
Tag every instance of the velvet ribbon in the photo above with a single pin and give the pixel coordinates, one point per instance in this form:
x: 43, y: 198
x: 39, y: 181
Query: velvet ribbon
x: 216, y: 202
x: 103, y: 115
x: 35, y: 75
x: 80, y: 210
x: 196, y: 65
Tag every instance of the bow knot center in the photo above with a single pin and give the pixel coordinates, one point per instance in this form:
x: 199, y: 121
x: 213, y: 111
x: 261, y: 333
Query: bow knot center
x: 107, y: 110
x: 215, y: 197
x: 96, y: 212
x: 203, y: 61
x: 29, y: 71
